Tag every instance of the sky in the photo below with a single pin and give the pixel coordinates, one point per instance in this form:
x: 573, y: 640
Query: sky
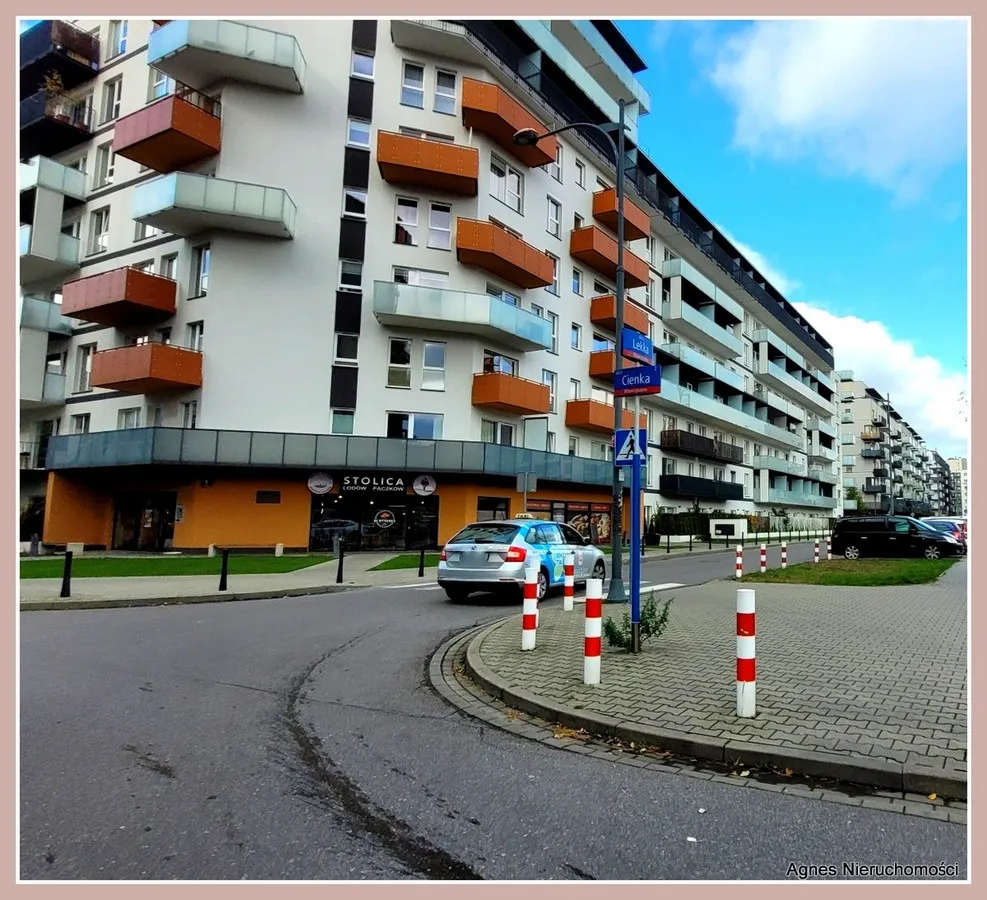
x: 833, y: 153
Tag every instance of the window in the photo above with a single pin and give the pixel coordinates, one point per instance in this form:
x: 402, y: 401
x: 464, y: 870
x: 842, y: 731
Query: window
x: 434, y: 366
x: 650, y: 293
x: 118, y: 38
x: 84, y: 363
x: 143, y: 231
x: 556, y: 167
x: 576, y: 336
x: 129, y: 418
x: 550, y: 442
x: 550, y: 379
x: 194, y: 332
x: 497, y: 362
x: 146, y: 266
x: 112, y: 92
x: 200, y: 271
x: 537, y: 310
x: 574, y: 388
x: 342, y: 421
x: 160, y: 86
x: 104, y: 166
x: 669, y: 255
x: 581, y: 173
x: 554, y: 288
x: 272, y: 497
x: 600, y: 395
x: 577, y: 281
x: 347, y: 346
x: 190, y: 413
x: 573, y: 446
x: 417, y: 426
x: 554, y: 319
x: 80, y: 424
x: 406, y: 222
x: 702, y: 470
x: 354, y: 203
x: 445, y: 93
x: 350, y: 275
x: 164, y: 336
x: 601, y: 184
x: 358, y: 133
x: 440, y: 226
x: 600, y: 289
x: 601, y: 343
x: 362, y: 64
x: 426, y: 135
x: 506, y: 183
x: 420, y: 277
x: 577, y: 221
x: 99, y: 230
x: 554, y: 225
x: 495, y: 291
x: 399, y: 363
x: 497, y: 433
x: 413, y: 86
x: 168, y: 266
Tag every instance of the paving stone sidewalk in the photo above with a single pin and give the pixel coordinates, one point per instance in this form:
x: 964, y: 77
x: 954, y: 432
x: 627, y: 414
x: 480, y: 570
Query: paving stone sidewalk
x: 865, y: 684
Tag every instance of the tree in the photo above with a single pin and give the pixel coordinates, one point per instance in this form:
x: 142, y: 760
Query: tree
x: 853, y: 494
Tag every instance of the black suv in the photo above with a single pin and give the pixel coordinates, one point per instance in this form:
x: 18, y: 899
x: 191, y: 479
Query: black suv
x: 883, y: 536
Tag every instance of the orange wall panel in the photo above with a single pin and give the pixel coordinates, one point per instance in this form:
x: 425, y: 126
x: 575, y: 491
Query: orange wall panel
x: 76, y: 513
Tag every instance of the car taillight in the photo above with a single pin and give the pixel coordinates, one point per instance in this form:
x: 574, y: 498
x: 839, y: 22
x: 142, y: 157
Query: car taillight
x: 516, y: 554
x: 442, y: 555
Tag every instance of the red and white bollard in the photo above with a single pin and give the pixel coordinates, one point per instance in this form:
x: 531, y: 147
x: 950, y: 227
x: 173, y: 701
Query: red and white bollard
x: 829, y: 547
x: 784, y: 555
x: 593, y: 633
x: 529, y: 614
x: 740, y: 561
x: 764, y: 559
x: 570, y: 582
x: 815, y: 554
x: 746, y: 703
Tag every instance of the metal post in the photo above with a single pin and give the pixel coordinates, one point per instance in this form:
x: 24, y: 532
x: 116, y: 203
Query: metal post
x: 690, y: 540
x: 421, y: 562
x: 224, y: 570
x: 67, y: 576
x: 35, y: 544
x: 635, y: 560
x: 339, y: 565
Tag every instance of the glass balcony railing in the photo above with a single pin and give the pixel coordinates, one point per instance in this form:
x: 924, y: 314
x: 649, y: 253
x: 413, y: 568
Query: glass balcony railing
x: 46, y: 173
x: 66, y: 249
x: 796, y: 498
x: 778, y: 464
x: 703, y: 363
x: 38, y: 314
x: 672, y: 268
x: 703, y: 327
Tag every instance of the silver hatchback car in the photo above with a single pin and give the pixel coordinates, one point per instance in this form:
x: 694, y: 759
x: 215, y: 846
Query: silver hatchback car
x: 492, y: 556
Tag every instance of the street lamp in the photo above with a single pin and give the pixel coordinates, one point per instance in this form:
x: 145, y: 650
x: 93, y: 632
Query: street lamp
x: 528, y: 137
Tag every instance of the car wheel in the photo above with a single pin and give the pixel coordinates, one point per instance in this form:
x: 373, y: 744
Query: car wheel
x: 599, y: 570
x: 932, y: 552
x: 457, y: 595
x: 542, y: 584
x: 852, y: 552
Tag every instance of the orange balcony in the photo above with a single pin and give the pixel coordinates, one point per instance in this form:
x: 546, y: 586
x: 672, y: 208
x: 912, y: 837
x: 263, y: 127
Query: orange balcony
x: 603, y: 312
x: 499, y: 252
x: 594, y: 415
x: 147, y: 369
x: 492, y: 111
x: 637, y: 223
x: 124, y: 296
x: 172, y: 133
x: 510, y: 394
x: 603, y: 362
x: 407, y: 160
x: 595, y: 248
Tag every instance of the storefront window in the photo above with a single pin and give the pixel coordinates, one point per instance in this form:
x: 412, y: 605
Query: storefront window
x: 488, y: 508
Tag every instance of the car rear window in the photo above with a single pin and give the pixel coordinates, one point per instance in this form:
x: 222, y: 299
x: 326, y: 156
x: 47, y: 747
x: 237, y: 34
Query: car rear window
x: 486, y: 533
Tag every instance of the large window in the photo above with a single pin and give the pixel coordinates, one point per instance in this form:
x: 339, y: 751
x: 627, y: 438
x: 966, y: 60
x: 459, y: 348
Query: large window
x: 399, y: 363
x: 419, y: 426
x: 506, y: 184
x: 413, y: 86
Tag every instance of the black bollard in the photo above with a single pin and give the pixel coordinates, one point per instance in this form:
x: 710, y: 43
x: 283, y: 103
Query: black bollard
x: 339, y: 567
x: 690, y: 542
x: 35, y: 544
x: 421, y: 563
x: 710, y: 539
x: 668, y: 543
x: 67, y: 576
x: 224, y: 570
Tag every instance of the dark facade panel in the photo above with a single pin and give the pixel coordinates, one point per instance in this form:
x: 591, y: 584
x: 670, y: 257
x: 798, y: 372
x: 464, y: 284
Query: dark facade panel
x: 365, y: 34
x: 356, y: 168
x: 349, y: 310
x: 352, y: 239
x: 342, y: 390
x: 361, y: 99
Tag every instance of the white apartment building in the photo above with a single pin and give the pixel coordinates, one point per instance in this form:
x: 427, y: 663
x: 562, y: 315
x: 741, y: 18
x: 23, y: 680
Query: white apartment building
x: 258, y: 256
x: 961, y: 485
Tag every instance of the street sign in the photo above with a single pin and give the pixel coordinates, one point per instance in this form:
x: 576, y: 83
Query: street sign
x: 638, y: 380
x: 636, y: 346
x: 526, y: 482
x: 628, y: 444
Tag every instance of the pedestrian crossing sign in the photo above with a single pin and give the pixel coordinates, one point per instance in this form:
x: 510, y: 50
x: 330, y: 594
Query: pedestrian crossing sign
x: 629, y: 442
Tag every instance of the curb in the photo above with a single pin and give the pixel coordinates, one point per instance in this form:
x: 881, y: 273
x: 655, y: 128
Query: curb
x: 884, y: 774
x: 133, y: 602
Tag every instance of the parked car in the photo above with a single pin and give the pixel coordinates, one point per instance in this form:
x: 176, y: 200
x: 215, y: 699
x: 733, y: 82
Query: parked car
x: 492, y: 556
x: 891, y: 536
x: 955, y: 527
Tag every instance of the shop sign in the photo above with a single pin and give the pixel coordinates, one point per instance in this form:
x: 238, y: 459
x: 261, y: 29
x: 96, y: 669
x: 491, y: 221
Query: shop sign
x: 424, y: 485
x: 376, y: 484
x: 320, y: 483
x: 384, y: 519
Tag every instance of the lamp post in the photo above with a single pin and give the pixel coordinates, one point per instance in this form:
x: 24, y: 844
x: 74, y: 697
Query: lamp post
x: 528, y: 137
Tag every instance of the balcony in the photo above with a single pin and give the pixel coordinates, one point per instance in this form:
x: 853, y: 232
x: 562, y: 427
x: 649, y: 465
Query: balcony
x: 458, y: 312
x: 779, y: 464
x: 202, y: 52
x: 43, y: 173
x: 186, y: 204
x: 488, y: 247
x: 38, y: 314
x: 489, y: 109
x: 120, y: 297
x: 701, y: 363
x: 688, y: 443
x: 678, y: 271
x: 44, y: 256
x: 593, y: 247
x: 594, y: 415
x: 817, y: 451
x: 879, y: 421
x: 697, y: 326
x: 896, y: 464
x: 875, y: 487
x: 603, y: 314
x: 50, y: 126
x: 50, y: 394
x: 409, y: 161
x: 823, y: 476
x: 171, y: 133
x: 58, y: 47
x: 797, y: 498
x: 815, y: 423
x: 510, y: 394
x: 780, y: 378
x: 870, y: 434
x: 148, y: 368
x: 699, y: 488
x: 872, y: 453
x: 637, y: 223
x: 603, y: 363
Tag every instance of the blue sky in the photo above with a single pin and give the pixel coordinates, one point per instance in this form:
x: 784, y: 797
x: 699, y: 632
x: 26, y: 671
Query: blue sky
x: 824, y: 149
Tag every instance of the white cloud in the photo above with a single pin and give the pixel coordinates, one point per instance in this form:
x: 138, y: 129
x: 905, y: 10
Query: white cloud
x: 778, y: 280
x: 881, y: 99
x: 927, y: 395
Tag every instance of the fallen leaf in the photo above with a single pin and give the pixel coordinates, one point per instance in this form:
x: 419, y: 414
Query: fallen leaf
x: 932, y: 796
x: 632, y: 745
x: 788, y: 773
x: 745, y: 773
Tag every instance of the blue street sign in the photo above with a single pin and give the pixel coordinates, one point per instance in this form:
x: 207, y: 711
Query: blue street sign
x: 624, y: 445
x: 637, y: 380
x: 636, y: 346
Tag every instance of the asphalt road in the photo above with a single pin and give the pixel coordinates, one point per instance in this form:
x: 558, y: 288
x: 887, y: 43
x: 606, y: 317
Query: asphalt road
x: 299, y: 739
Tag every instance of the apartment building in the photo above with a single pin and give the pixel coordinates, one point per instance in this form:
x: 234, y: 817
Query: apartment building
x: 960, y: 495
x: 883, y: 457
x: 940, y: 485
x: 284, y: 279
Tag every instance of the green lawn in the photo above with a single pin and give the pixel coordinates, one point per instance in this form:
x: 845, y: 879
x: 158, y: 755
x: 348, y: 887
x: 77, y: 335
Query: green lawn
x: 406, y: 561
x: 857, y: 573
x: 131, y: 567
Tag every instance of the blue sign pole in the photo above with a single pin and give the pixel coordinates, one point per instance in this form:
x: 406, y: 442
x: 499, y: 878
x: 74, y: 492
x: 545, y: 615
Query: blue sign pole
x: 635, y: 561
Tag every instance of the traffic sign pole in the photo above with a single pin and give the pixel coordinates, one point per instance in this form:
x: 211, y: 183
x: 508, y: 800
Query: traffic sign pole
x: 635, y: 561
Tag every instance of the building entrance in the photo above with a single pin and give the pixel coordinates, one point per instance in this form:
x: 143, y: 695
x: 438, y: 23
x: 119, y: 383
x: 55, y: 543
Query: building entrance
x: 374, y: 521
x: 144, y: 522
